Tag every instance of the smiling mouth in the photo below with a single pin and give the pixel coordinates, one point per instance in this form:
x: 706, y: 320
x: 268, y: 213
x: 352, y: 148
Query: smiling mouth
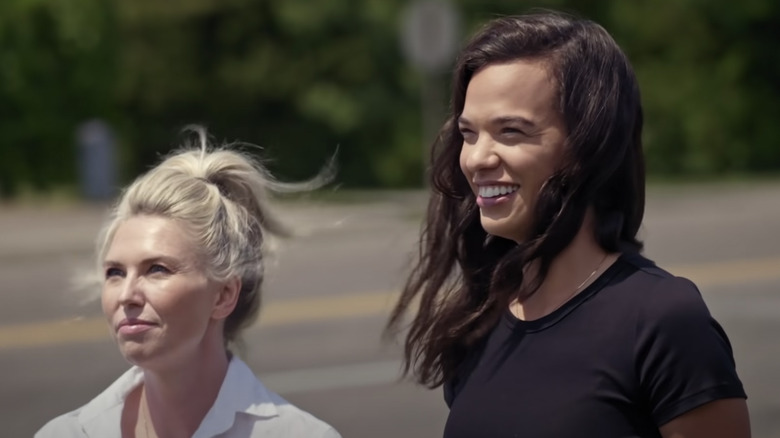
x: 496, y: 191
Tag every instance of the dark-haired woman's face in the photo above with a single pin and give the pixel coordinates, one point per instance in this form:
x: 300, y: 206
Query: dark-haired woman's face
x: 512, y: 143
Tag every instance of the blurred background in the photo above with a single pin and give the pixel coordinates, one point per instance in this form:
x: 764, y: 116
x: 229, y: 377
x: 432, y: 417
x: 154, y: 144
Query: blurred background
x: 304, y: 77
x: 93, y: 91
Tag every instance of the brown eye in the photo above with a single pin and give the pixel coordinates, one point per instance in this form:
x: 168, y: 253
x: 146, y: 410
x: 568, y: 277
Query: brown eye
x: 467, y: 134
x: 512, y: 131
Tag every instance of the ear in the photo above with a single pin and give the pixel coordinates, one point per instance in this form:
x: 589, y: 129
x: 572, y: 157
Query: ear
x: 226, y: 298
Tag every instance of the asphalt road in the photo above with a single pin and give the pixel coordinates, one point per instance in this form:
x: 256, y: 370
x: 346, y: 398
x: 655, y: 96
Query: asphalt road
x: 328, y: 293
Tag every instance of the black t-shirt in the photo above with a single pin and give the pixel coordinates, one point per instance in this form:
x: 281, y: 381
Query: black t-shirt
x: 628, y: 354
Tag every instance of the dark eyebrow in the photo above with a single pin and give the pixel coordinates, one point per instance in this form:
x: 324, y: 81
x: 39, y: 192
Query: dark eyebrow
x: 514, y: 119
x: 503, y: 120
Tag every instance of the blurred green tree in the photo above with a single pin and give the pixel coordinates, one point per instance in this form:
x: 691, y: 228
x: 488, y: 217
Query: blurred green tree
x: 709, y: 75
x: 57, y: 61
x: 300, y: 78
x: 305, y: 78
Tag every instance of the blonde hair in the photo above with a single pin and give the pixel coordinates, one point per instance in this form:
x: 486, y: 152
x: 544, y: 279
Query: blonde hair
x: 222, y: 197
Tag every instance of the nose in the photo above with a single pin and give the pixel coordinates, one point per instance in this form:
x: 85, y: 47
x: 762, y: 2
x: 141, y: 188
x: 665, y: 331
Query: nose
x: 481, y: 155
x: 130, y: 292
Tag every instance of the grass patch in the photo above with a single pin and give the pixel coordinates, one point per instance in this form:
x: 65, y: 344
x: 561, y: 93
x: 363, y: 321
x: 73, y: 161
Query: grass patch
x: 340, y: 196
x: 57, y: 196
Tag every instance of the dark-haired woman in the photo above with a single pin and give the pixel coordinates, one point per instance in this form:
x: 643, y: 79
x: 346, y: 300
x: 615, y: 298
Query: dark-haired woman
x: 537, y: 312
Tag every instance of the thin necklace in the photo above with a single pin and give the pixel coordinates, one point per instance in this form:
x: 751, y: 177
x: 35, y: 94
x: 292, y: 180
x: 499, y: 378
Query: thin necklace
x: 598, y: 268
x: 574, y: 292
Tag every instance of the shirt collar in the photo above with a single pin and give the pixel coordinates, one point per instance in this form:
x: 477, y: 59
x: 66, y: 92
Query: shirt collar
x: 241, y: 392
x: 103, y: 414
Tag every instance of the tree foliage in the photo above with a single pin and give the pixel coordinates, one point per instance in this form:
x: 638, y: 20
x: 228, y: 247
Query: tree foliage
x: 305, y: 78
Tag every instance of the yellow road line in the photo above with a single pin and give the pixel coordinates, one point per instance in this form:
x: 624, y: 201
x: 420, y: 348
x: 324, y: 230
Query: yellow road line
x: 731, y: 272
x: 289, y: 312
x: 50, y: 333
x: 335, y: 307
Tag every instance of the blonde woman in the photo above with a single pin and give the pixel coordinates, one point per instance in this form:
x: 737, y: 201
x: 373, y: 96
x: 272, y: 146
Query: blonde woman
x: 182, y: 261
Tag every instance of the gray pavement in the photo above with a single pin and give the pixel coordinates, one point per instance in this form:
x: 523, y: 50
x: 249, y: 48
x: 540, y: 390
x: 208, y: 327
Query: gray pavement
x: 327, y: 294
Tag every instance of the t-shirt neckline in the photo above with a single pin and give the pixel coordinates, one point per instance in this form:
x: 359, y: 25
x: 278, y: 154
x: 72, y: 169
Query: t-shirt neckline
x: 558, y: 314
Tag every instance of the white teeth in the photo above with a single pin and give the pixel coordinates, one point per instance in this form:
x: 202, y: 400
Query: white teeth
x: 493, y: 191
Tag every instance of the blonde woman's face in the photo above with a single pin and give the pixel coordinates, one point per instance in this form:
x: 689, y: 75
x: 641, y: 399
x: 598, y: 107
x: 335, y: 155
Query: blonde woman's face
x: 159, y: 303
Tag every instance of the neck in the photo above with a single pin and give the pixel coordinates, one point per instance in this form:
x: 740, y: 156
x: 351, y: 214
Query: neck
x: 571, y: 271
x: 179, y: 397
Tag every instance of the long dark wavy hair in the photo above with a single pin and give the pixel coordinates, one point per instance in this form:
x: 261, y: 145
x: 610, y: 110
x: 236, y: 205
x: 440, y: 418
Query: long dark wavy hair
x: 463, y: 277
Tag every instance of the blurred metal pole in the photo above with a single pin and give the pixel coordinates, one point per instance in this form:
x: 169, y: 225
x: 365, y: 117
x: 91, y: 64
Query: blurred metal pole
x: 433, y: 109
x: 430, y: 31
x: 97, y: 158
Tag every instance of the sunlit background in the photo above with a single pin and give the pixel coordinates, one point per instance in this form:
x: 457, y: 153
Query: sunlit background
x: 92, y: 92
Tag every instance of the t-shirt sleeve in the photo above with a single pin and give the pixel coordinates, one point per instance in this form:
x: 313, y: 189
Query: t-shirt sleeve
x: 683, y: 357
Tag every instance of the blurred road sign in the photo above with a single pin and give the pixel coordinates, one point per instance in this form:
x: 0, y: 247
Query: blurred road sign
x: 429, y: 34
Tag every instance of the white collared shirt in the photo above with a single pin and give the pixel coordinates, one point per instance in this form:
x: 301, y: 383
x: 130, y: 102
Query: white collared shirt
x: 244, y: 408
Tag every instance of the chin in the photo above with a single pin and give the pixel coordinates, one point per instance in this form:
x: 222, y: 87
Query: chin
x: 503, y: 228
x: 138, y: 354
x: 134, y: 356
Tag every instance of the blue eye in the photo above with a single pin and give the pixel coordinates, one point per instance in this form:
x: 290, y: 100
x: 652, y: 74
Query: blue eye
x: 158, y: 269
x: 113, y: 272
